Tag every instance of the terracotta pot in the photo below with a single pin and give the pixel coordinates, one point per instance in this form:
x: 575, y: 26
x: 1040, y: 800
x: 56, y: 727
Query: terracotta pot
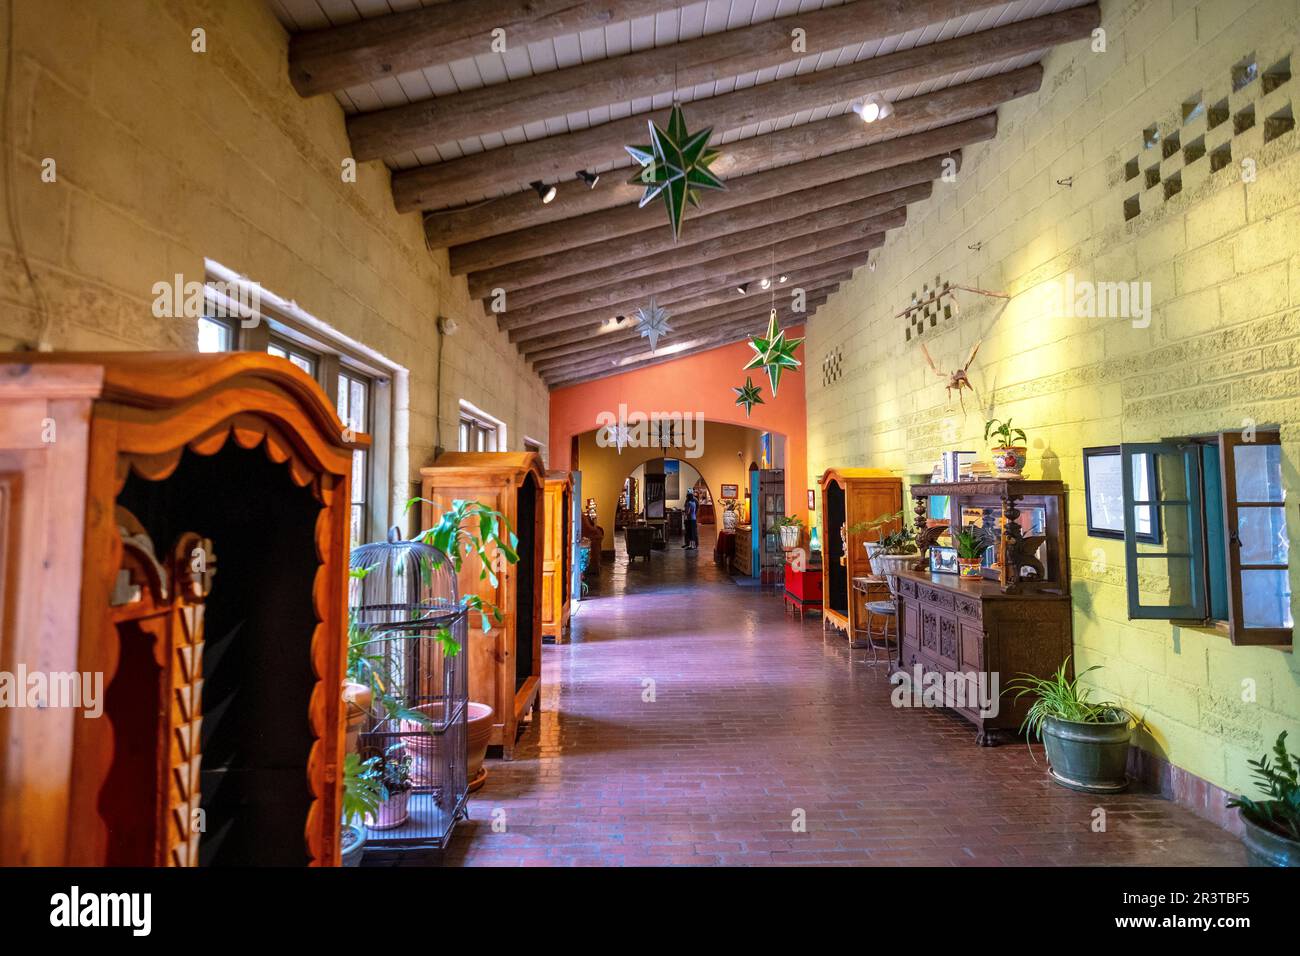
x: 480, y: 731
x: 392, y: 813
x: 1009, y: 461
x: 968, y: 567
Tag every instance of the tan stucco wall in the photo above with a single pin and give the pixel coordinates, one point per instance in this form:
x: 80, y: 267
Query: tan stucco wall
x: 1222, y: 347
x: 165, y: 156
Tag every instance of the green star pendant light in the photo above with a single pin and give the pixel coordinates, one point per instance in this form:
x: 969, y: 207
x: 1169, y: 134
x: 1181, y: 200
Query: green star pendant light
x: 676, y: 166
x: 748, y: 395
x: 773, y: 353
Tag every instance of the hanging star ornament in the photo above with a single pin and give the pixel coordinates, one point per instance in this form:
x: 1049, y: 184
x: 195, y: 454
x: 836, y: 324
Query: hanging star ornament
x: 653, y: 322
x: 773, y: 353
x: 748, y: 395
x: 676, y: 166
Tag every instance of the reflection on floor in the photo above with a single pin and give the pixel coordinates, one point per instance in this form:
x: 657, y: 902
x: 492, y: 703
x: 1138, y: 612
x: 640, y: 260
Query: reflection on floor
x: 692, y: 722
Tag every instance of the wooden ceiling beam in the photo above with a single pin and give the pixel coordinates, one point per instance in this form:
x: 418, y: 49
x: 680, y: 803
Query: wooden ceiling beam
x: 893, y: 162
x: 761, y: 260
x: 706, y: 345
x: 871, y: 209
x: 629, y: 333
x: 713, y: 291
x: 452, y: 227
x: 511, y: 168
x: 623, y: 79
x: 334, y: 58
x: 753, y: 313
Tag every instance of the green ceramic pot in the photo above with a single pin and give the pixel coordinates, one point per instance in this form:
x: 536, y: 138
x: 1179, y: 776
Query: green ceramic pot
x: 1267, y: 848
x: 1088, y: 757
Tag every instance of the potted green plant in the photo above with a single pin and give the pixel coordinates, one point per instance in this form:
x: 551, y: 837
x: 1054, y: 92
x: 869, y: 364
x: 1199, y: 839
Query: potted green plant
x: 394, y: 766
x: 892, y: 552
x: 970, y: 543
x: 1086, y: 742
x: 1008, y: 456
x: 363, y: 791
x: 1272, y: 826
x: 790, y: 528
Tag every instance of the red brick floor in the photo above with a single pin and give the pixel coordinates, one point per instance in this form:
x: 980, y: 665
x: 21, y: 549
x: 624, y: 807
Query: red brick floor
x: 756, y: 718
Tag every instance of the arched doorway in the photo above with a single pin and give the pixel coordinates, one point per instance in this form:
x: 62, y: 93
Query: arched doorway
x: 655, y: 491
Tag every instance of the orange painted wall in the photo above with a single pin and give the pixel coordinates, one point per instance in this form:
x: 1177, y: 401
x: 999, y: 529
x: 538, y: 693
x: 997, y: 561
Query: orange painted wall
x: 696, y: 383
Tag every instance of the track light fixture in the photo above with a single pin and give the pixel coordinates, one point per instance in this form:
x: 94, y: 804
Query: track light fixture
x: 743, y: 288
x: 765, y: 283
x: 589, y: 178
x: 872, y: 108
x: 544, y: 192
x: 783, y: 280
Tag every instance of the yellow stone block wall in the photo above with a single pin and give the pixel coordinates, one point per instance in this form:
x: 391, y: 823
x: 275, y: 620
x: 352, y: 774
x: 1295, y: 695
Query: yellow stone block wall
x: 165, y: 156
x: 1222, y: 347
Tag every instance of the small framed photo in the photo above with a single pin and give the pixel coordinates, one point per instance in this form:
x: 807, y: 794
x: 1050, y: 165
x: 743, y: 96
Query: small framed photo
x: 943, y: 560
x: 731, y: 491
x: 812, y: 499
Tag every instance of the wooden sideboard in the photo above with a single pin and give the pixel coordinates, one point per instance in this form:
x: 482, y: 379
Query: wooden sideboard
x: 968, y: 627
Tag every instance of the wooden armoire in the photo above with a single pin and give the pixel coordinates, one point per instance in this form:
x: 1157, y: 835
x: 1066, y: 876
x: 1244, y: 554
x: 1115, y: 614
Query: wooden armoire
x: 557, y: 546
x: 177, y: 523
x: 505, y: 664
x: 851, y: 496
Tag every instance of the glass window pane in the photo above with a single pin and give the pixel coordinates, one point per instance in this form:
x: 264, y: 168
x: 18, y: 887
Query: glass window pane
x: 214, y: 336
x: 359, y: 477
x: 1165, y: 582
x: 1262, y: 532
x: 342, y: 399
x: 275, y: 350
x: 356, y: 523
x: 358, y: 406
x: 1259, y: 473
x: 304, y: 363
x: 1266, y: 598
x: 464, y: 436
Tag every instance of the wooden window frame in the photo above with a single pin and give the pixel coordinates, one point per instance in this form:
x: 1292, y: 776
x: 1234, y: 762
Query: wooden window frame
x: 1197, y: 614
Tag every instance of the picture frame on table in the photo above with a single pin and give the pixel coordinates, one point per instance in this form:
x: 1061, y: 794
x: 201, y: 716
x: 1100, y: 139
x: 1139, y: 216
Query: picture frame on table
x: 943, y: 560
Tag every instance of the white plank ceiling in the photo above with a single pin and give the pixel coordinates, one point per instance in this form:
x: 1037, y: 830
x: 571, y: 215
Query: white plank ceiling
x: 675, y: 24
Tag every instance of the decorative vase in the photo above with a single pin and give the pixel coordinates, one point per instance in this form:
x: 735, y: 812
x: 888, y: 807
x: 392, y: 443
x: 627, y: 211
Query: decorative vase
x: 1264, y: 847
x: 790, y: 536
x: 392, y: 813
x: 1009, y: 460
x: 480, y: 732
x: 352, y: 844
x: 1091, y: 758
x: 729, y: 520
x: 968, y: 567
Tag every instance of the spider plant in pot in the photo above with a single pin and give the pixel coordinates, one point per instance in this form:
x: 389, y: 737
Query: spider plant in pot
x: 1272, y: 826
x: 1008, y: 456
x: 790, y: 528
x: 892, y: 552
x: 1086, y: 742
x: 394, y: 767
x: 970, y: 543
x: 363, y: 792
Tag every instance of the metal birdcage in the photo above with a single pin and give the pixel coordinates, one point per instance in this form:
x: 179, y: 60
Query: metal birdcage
x: 407, y: 612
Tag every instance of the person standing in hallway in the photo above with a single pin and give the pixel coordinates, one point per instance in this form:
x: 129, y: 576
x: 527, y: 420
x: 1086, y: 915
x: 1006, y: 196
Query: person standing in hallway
x: 692, y: 530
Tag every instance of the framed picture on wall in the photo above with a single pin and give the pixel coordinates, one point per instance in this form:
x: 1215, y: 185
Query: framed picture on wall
x: 812, y: 499
x: 731, y: 491
x: 1104, y: 494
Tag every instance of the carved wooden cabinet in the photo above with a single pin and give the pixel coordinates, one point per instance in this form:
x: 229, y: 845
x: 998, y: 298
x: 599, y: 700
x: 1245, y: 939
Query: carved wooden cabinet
x: 176, y: 525
x: 556, y: 555
x: 505, y: 664
x: 976, y: 634
x: 850, y: 496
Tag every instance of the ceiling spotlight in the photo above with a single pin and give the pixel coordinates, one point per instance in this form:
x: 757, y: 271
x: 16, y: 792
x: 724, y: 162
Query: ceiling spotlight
x: 783, y: 280
x: 872, y: 108
x: 765, y: 283
x: 871, y: 264
x: 743, y: 288
x: 589, y: 178
x: 544, y: 192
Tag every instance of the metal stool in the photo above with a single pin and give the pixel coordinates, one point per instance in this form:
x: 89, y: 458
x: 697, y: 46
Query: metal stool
x: 886, y: 610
